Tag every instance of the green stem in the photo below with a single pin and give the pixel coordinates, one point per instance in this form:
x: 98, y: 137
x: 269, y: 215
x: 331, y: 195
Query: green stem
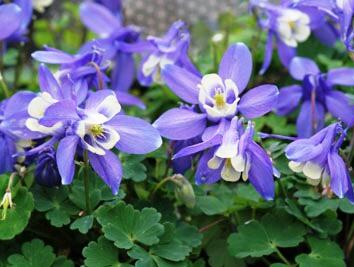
x: 160, y: 184
x: 87, y: 184
x: 351, y: 148
x: 282, y: 257
x: 4, y: 87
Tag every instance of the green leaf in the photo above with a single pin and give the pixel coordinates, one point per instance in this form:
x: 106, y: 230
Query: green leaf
x: 314, y: 208
x: 323, y: 253
x: 61, y: 261
x: 34, y: 254
x: 124, y: 225
x: 346, y: 206
x: 83, y: 224
x: 133, y: 168
x: 189, y: 235
x: 261, y: 238
x: 56, y: 205
x: 219, y: 255
x: 211, y: 205
x: 101, y: 254
x: 18, y: 216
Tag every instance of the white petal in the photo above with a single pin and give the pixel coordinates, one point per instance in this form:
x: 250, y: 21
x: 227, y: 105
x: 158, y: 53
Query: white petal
x: 93, y: 148
x: 247, y: 168
x: 238, y: 163
x: 109, y: 107
x: 302, y: 32
x: 228, y: 173
x: 150, y: 64
x: 312, y: 170
x: 210, y: 82
x: 112, y: 137
x: 296, y: 166
x: 37, y: 107
x: 33, y: 125
x: 214, y: 163
x: 231, y: 85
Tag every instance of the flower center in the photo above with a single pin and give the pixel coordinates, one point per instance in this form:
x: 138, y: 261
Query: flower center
x: 97, y: 130
x: 219, y: 100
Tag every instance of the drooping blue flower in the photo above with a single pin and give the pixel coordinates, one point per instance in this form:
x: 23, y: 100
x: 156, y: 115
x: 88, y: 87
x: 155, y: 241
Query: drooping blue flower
x: 318, y: 159
x: 317, y: 96
x: 232, y: 155
x: 289, y: 24
x: 10, y: 15
x: 172, y: 48
x: 46, y: 172
x: 97, y: 128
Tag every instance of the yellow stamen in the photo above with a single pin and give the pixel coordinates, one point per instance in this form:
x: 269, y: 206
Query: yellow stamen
x: 97, y: 130
x: 219, y: 101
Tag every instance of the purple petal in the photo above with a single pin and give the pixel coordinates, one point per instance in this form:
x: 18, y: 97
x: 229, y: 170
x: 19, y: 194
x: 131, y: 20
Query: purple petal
x: 302, y: 150
x: 285, y: 53
x: 339, y: 106
x: 183, y: 83
x: 203, y: 174
x: 180, y: 124
x: 310, y: 119
x: 341, y: 76
x: 98, y: 19
x: 258, y: 101
x: 215, y: 140
x: 261, y: 171
x: 48, y: 83
x: 338, y: 173
x: 60, y: 111
x: 300, y: 67
x: 236, y: 64
x: 10, y: 19
x: 18, y: 103
x: 53, y: 57
x: 123, y: 72
x: 127, y: 99
x: 268, y: 53
x: 327, y: 34
x: 288, y: 99
x: 136, y: 135
x: 65, y: 158
x: 109, y: 168
x: 7, y: 149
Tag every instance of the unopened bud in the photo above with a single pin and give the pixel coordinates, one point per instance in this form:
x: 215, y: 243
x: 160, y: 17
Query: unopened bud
x: 184, y: 190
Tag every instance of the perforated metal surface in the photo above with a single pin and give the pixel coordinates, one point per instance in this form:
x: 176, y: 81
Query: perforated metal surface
x: 156, y: 15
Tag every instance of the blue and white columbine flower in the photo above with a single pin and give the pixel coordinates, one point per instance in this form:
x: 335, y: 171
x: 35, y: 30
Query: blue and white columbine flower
x: 318, y: 159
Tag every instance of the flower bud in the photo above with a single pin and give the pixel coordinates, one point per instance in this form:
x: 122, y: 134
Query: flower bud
x: 184, y: 190
x: 6, y: 203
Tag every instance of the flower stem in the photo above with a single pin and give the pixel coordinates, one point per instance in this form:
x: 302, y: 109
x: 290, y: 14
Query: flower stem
x: 282, y: 257
x: 4, y: 87
x: 160, y: 184
x: 87, y: 184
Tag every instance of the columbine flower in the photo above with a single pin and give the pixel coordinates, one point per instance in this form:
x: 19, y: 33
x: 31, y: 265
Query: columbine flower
x: 290, y: 24
x: 14, y: 136
x: 97, y: 129
x: 117, y: 43
x: 317, y: 94
x: 218, y: 96
x: 46, y: 172
x: 319, y: 160
x: 345, y: 11
x: 172, y: 48
x: 233, y: 155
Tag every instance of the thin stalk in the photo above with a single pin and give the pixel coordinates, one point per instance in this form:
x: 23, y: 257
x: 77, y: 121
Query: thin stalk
x: 160, y: 184
x: 4, y: 87
x: 282, y: 257
x: 87, y: 184
x: 351, y: 148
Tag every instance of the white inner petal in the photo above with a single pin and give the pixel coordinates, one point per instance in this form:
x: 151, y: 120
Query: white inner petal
x: 34, y: 125
x: 312, y: 170
x: 39, y: 105
x: 296, y: 166
x: 228, y: 173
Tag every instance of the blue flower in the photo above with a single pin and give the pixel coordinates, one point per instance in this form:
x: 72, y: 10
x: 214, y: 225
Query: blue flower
x: 97, y: 128
x: 317, y: 94
x: 172, y: 48
x: 318, y: 159
x: 46, y: 172
x: 289, y: 24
